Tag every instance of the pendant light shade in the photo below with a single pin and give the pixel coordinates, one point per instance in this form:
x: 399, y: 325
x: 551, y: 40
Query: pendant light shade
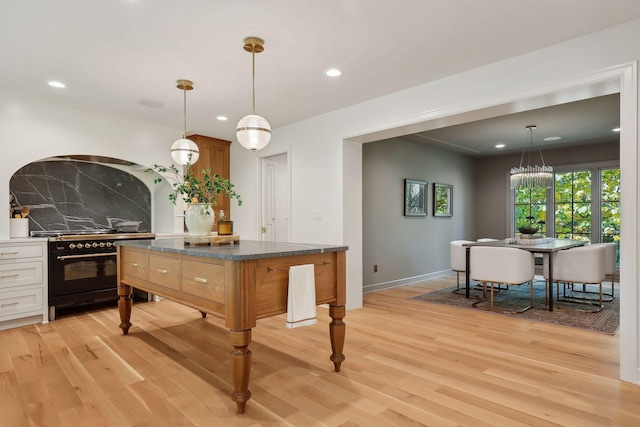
x: 184, y: 151
x: 253, y: 131
x: 529, y: 176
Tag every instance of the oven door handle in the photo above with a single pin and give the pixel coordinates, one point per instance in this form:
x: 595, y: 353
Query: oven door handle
x: 63, y: 257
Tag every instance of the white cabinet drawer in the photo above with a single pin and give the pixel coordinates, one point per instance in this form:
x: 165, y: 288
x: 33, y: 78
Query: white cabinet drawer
x: 20, y: 274
x: 17, y: 252
x: 14, y: 303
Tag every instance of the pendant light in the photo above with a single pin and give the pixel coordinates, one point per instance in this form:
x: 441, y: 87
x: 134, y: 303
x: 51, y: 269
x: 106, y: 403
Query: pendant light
x: 531, y: 176
x: 253, y: 131
x: 185, y: 151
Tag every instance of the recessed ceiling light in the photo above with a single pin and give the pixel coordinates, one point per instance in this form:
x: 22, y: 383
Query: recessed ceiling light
x: 57, y: 84
x: 615, y: 130
x: 552, y: 138
x: 500, y: 145
x: 333, y: 72
x: 151, y: 103
x: 222, y: 118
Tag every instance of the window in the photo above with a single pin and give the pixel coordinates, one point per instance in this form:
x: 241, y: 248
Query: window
x: 531, y: 208
x: 583, y: 205
x: 610, y: 207
x: 573, y: 205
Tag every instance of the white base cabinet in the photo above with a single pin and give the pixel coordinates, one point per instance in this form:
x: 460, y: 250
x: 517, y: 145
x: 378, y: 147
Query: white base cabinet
x: 23, y: 283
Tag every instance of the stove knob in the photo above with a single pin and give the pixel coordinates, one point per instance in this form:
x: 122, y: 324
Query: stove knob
x: 80, y: 246
x: 109, y: 244
x: 102, y: 244
x: 72, y: 245
x: 94, y: 245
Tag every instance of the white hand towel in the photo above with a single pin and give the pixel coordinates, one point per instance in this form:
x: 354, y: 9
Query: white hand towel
x: 301, y: 303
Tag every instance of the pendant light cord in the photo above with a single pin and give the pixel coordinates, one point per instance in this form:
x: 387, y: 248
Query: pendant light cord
x: 184, y: 90
x: 253, y: 70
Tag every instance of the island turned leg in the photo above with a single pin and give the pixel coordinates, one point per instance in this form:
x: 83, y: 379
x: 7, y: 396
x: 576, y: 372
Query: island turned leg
x: 240, y: 368
x: 336, y: 332
x: 124, y: 307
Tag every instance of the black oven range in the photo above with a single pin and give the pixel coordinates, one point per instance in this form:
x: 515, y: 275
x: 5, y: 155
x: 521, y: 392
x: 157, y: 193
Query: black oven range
x: 83, y: 266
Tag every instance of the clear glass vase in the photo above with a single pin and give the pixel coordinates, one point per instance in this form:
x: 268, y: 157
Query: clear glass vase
x: 199, y: 219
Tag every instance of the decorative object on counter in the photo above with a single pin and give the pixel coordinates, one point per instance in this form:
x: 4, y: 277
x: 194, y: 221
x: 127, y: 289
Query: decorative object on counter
x: 200, y: 192
x: 199, y: 219
x: 184, y: 150
x: 218, y: 240
x: 415, y: 198
x: 531, y: 176
x: 442, y: 200
x: 225, y: 227
x: 253, y: 131
x: 18, y: 227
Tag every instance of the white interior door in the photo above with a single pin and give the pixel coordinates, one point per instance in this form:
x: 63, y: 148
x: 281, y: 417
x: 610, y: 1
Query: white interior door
x: 268, y: 200
x: 275, y: 199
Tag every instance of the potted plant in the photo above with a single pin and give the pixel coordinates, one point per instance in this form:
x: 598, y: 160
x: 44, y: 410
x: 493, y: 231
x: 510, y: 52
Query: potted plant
x: 198, y: 193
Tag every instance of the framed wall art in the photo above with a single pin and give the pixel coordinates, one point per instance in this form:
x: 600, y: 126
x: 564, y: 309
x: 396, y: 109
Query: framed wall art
x: 442, y: 199
x: 415, y: 198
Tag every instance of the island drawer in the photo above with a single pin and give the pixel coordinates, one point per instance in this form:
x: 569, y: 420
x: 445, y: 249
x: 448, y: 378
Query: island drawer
x: 164, y: 271
x: 203, y: 280
x: 134, y: 264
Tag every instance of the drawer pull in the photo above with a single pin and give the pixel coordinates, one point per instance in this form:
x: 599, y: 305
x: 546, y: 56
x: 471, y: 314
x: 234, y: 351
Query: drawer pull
x: 134, y: 264
x: 8, y: 253
x: 162, y: 270
x: 10, y: 303
x: 201, y: 280
x: 6, y: 276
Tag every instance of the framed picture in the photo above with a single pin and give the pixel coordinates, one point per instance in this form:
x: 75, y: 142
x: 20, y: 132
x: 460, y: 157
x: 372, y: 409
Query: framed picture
x: 415, y: 198
x: 442, y: 200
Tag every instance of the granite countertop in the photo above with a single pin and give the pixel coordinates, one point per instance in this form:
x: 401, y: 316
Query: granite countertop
x: 245, y: 250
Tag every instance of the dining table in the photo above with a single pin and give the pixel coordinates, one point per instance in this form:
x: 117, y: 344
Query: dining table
x: 545, y: 245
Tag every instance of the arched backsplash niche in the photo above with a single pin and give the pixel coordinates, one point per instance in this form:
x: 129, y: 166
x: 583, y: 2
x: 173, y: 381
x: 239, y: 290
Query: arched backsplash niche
x: 65, y: 194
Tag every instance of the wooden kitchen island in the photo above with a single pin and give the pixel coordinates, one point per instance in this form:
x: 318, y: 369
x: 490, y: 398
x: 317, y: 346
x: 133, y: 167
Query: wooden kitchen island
x: 240, y: 283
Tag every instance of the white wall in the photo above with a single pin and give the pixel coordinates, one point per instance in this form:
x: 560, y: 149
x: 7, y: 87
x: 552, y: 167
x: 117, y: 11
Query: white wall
x: 320, y: 146
x: 32, y: 129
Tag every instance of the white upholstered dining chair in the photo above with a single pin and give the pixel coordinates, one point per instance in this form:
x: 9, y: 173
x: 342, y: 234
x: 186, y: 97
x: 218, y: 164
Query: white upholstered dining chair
x: 496, y: 265
x: 610, y: 267
x: 458, y: 255
x: 581, y: 265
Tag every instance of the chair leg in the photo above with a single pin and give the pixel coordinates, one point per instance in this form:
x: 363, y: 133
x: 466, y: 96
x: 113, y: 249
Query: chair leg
x: 491, y: 296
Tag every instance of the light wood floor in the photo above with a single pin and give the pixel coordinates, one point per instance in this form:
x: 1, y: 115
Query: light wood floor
x: 409, y: 363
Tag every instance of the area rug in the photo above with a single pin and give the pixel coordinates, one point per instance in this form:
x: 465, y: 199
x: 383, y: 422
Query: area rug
x: 517, y: 297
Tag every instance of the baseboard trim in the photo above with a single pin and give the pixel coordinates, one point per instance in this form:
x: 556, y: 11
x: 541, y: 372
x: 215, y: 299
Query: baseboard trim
x: 403, y: 282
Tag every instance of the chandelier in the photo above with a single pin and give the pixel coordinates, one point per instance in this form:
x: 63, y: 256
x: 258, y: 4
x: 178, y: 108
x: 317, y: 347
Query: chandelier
x: 253, y: 131
x: 184, y: 151
x: 531, y: 176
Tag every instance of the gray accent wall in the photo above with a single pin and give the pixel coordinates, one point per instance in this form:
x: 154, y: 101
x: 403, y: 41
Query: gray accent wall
x: 411, y: 249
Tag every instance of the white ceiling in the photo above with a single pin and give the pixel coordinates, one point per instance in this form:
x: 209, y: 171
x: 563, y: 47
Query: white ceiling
x: 116, y: 56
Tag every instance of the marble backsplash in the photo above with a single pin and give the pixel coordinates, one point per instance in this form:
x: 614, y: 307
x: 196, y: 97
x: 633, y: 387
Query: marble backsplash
x: 71, y: 195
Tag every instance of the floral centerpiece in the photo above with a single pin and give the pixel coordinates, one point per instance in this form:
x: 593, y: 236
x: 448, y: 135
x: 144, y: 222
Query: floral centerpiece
x: 199, y: 193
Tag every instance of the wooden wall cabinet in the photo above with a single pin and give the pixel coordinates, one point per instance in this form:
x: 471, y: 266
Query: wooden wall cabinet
x: 214, y: 154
